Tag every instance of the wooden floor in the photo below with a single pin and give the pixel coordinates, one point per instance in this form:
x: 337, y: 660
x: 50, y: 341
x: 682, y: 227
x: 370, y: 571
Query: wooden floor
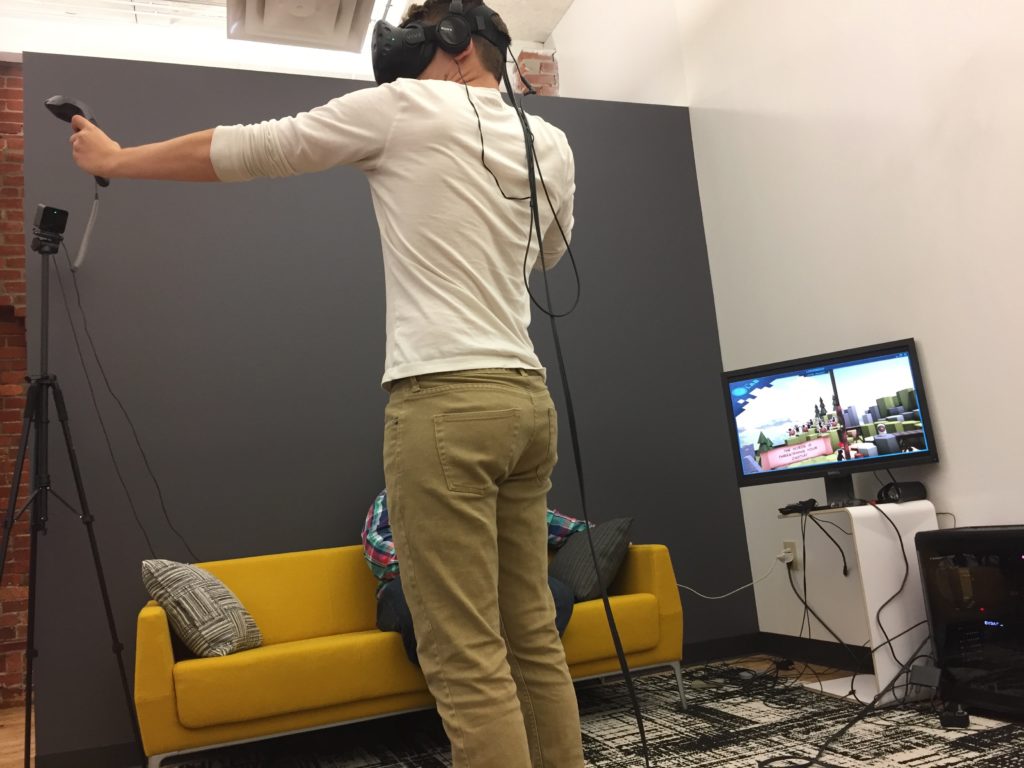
x: 12, y: 721
x: 12, y: 738
x: 800, y: 671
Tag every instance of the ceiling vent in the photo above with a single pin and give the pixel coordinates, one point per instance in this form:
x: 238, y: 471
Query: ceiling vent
x: 340, y: 25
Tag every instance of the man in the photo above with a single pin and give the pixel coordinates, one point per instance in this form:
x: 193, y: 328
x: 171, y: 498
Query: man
x: 470, y: 433
x: 392, y: 607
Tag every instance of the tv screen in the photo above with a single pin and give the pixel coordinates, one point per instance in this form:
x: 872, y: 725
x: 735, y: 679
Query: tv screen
x: 830, y: 415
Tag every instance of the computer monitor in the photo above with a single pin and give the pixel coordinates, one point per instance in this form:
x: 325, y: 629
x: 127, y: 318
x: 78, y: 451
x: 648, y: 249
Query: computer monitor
x: 829, y: 416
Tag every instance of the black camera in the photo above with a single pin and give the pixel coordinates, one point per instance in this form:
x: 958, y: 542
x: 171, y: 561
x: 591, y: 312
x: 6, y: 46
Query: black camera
x: 50, y: 220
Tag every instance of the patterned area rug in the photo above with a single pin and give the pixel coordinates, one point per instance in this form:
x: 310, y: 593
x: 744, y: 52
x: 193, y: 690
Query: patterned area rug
x: 736, y: 719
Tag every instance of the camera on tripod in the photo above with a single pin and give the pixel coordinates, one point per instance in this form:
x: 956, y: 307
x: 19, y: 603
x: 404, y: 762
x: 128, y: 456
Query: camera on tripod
x: 48, y: 228
x: 50, y: 220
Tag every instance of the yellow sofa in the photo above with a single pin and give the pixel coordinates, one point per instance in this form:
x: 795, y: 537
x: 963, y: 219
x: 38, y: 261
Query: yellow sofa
x: 323, y: 662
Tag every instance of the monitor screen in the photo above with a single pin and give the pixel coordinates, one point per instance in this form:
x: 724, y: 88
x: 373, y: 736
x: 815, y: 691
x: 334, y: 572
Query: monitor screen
x: 840, y: 413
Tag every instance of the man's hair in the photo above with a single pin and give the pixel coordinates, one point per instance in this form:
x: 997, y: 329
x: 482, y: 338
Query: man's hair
x: 432, y: 11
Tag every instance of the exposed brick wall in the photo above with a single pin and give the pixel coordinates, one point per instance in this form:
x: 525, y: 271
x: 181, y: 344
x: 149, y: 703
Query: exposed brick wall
x: 13, y: 368
x: 540, y: 68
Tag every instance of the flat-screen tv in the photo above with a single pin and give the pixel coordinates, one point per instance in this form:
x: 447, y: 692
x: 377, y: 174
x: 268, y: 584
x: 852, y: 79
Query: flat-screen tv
x: 830, y: 416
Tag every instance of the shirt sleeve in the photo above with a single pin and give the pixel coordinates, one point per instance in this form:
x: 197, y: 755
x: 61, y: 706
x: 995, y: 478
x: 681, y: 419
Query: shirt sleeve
x: 350, y: 130
x: 561, y: 527
x: 378, y: 547
x: 555, y: 244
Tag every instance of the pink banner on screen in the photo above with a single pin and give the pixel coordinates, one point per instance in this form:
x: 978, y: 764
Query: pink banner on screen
x: 790, y: 454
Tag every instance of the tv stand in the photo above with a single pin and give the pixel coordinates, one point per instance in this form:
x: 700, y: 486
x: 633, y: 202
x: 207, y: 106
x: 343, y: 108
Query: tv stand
x: 839, y: 491
x: 878, y: 565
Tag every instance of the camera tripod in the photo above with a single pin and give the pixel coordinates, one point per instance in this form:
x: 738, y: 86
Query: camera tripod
x: 48, y: 231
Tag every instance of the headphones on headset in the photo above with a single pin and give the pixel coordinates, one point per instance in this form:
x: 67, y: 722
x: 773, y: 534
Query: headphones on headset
x: 406, y: 50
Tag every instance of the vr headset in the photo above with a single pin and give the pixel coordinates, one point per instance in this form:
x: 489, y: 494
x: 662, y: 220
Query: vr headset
x: 406, y: 50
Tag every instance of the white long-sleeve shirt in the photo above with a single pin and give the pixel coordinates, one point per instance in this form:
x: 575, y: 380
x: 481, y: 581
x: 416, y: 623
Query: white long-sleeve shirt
x: 453, y: 246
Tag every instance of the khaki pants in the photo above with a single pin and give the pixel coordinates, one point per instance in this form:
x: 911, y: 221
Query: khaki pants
x: 467, y: 462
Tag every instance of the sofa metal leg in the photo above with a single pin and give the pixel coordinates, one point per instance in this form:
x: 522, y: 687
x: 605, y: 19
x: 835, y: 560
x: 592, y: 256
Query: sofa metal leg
x: 679, y: 681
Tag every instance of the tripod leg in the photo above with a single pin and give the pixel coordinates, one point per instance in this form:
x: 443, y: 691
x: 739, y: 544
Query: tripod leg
x: 31, y: 405
x: 19, y: 467
x: 30, y: 646
x: 87, y: 520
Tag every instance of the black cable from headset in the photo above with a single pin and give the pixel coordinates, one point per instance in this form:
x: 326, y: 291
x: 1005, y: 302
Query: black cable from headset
x: 483, y: 154
x: 569, y: 408
x: 568, y: 248
x: 533, y: 168
x: 554, y: 213
x: 124, y: 411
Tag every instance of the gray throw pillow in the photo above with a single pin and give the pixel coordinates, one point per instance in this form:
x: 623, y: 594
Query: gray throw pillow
x: 574, y: 564
x: 204, y: 613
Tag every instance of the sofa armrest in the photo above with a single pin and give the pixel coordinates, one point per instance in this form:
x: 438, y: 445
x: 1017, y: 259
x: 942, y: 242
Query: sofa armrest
x: 154, y: 659
x: 648, y: 568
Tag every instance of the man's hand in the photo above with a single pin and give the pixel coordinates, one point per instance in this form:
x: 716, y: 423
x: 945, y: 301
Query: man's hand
x: 92, y: 150
x: 186, y: 158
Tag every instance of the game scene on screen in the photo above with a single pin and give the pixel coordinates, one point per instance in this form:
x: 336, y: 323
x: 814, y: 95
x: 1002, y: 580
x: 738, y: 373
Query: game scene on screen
x: 848, y: 412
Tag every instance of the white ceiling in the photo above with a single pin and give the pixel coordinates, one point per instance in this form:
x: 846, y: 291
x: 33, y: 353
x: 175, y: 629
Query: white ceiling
x: 531, y: 20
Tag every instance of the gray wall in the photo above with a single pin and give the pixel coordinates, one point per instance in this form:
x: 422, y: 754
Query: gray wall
x: 242, y: 328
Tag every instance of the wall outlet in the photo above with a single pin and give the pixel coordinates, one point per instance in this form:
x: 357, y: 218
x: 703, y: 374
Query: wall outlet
x: 789, y: 554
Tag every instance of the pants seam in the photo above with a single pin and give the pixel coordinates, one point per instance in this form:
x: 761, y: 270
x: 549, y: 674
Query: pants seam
x: 513, y: 661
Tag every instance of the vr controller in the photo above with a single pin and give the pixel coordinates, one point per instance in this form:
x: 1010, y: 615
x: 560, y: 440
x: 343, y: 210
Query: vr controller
x: 66, y: 108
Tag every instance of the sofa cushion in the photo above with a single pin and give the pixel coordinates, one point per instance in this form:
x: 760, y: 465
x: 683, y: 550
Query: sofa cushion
x: 588, y: 638
x: 574, y: 563
x: 205, y: 614
x: 293, y: 677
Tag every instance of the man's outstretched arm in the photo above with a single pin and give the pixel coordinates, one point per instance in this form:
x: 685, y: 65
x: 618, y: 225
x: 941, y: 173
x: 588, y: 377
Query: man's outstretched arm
x: 186, y: 158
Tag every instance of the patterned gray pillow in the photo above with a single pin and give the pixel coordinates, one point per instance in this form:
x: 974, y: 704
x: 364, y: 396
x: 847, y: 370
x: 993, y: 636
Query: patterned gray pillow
x: 574, y: 564
x: 204, y: 613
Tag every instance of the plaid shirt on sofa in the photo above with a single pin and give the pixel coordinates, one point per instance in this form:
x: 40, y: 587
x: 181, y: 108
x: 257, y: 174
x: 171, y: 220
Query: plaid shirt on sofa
x: 379, y: 548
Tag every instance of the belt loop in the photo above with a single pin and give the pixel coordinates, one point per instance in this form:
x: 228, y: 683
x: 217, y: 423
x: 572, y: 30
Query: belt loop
x: 414, y: 384
x: 522, y: 371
